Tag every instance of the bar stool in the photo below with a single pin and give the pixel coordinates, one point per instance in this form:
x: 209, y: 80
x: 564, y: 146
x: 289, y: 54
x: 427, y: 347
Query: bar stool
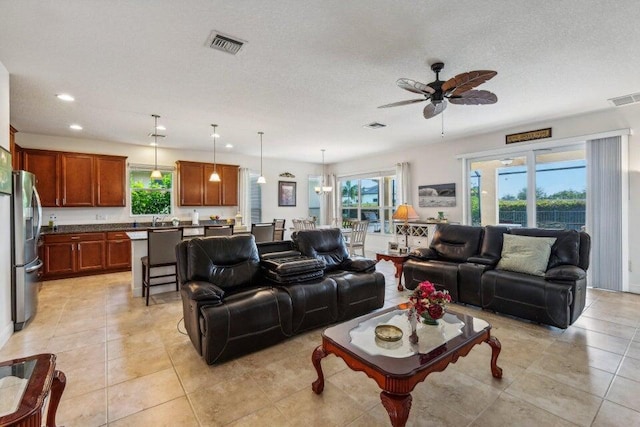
x: 278, y: 233
x: 263, y: 232
x: 218, y: 230
x: 161, y: 252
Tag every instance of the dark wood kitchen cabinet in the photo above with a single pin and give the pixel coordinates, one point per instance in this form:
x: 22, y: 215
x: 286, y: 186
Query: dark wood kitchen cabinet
x: 195, y: 189
x: 68, y: 179
x: 118, y: 251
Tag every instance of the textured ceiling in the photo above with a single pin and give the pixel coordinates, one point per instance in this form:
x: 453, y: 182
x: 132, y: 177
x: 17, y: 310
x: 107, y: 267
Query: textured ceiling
x: 312, y: 72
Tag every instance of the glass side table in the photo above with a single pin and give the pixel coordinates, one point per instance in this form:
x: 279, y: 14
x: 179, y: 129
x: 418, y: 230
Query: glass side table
x: 24, y: 387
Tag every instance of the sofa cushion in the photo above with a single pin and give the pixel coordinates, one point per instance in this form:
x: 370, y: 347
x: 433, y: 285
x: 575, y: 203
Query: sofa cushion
x: 359, y: 265
x: 524, y: 254
x: 327, y: 245
x: 456, y: 242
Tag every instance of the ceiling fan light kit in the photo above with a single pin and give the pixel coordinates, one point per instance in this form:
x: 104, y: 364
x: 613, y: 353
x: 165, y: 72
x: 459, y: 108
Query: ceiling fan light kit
x: 457, y: 90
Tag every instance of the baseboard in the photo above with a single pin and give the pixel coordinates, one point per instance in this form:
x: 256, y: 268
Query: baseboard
x: 6, y: 334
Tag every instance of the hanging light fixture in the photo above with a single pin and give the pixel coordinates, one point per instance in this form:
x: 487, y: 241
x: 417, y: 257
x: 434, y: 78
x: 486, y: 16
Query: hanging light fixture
x: 214, y: 175
x: 155, y: 174
x: 261, y: 179
x: 323, y: 188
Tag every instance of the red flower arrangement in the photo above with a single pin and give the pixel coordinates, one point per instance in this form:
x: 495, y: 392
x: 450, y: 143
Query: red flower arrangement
x: 428, y: 302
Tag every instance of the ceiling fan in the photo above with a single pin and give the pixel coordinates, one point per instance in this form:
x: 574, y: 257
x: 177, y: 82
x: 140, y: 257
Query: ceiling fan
x: 458, y: 90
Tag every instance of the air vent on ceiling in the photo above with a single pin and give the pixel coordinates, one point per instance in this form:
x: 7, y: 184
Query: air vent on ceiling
x: 225, y: 43
x: 625, y: 100
x: 375, y: 125
x: 157, y: 135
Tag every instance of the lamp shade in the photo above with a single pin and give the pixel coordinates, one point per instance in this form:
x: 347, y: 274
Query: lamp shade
x: 405, y: 213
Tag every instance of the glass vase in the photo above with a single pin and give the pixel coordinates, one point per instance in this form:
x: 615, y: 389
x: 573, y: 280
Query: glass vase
x: 413, y: 322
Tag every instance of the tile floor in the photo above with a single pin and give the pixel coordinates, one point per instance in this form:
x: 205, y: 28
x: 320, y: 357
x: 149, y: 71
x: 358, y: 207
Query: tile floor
x: 128, y: 365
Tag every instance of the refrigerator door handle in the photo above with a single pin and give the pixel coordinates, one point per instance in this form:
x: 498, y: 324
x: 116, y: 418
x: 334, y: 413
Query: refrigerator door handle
x: 39, y: 208
x: 38, y: 266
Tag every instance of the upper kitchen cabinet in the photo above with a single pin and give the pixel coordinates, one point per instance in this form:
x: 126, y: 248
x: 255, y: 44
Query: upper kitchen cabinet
x: 195, y: 189
x: 111, y: 173
x: 77, y: 180
x: 15, y: 149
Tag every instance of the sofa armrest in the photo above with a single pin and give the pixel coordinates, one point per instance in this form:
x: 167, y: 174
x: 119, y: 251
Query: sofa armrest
x: 483, y: 260
x: 565, y: 273
x: 423, y: 254
x: 203, y: 291
x: 359, y: 265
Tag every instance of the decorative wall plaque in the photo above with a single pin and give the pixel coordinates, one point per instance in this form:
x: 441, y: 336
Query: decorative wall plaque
x: 528, y: 136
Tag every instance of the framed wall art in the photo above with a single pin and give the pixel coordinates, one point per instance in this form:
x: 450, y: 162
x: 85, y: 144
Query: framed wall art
x: 437, y: 195
x: 286, y: 193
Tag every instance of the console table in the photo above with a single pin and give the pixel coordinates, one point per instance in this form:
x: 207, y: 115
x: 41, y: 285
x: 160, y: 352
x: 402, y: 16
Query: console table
x: 24, y: 386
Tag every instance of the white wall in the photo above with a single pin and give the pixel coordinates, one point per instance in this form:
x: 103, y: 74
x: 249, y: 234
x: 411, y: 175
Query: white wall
x: 144, y: 155
x: 6, y: 325
x: 437, y: 164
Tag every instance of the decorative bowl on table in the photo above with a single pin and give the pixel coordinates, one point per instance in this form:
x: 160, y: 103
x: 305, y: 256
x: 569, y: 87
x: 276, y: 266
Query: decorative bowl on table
x: 388, y: 333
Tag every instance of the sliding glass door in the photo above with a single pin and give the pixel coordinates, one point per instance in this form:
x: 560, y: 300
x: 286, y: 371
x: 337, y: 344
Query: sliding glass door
x: 543, y: 188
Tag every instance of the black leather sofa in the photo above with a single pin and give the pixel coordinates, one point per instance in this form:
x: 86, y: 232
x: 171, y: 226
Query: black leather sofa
x: 465, y: 261
x: 239, y: 297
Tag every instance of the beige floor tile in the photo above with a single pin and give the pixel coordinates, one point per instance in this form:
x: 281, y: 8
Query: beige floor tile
x: 590, y: 356
x: 362, y: 389
x: 625, y: 392
x: 195, y: 374
x: 605, y: 327
x: 83, y: 356
x: 477, y: 364
x: 634, y: 350
x: 267, y: 415
x: 227, y: 401
x: 176, y: 412
x: 595, y: 339
x: 630, y: 369
x: 613, y: 415
x: 137, y: 365
x: 566, y: 402
x: 77, y: 340
x: 87, y: 410
x: 131, y: 344
x: 573, y: 372
x: 332, y: 407
x: 141, y: 393
x: 83, y: 379
x: 509, y: 411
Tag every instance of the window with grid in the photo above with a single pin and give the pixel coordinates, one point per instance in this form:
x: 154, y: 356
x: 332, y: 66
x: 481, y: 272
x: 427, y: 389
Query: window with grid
x: 371, y: 198
x: 149, y: 196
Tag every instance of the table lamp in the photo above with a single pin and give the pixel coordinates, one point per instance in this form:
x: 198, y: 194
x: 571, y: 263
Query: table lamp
x: 405, y: 212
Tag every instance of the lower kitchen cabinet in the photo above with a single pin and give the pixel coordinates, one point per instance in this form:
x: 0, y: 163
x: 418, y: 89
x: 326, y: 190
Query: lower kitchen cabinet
x: 69, y: 255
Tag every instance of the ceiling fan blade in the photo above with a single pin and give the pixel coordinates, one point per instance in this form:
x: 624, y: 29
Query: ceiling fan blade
x: 466, y: 81
x: 474, y: 97
x: 433, y: 110
x: 415, y: 87
x: 407, y: 102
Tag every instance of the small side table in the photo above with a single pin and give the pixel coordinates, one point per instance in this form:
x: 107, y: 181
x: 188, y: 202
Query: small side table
x: 26, y: 384
x: 398, y: 261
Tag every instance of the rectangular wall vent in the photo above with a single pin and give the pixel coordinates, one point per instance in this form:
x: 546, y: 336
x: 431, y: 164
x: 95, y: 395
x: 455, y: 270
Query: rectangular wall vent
x: 225, y: 43
x: 625, y: 100
x: 375, y: 125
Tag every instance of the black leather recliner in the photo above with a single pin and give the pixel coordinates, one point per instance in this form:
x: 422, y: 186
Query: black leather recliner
x: 451, y: 246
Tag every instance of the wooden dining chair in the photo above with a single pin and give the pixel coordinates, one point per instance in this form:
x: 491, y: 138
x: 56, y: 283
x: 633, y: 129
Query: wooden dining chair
x: 278, y: 233
x: 357, y: 237
x: 263, y: 232
x: 218, y: 230
x: 161, y: 252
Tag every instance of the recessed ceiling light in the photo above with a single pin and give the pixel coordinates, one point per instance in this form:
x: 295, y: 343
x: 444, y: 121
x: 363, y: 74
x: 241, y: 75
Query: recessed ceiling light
x: 160, y: 127
x: 215, y: 135
x: 228, y: 146
x: 65, y: 97
x: 75, y: 127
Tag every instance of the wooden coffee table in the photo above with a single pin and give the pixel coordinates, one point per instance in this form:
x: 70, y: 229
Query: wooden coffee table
x: 399, y: 367
x: 398, y: 261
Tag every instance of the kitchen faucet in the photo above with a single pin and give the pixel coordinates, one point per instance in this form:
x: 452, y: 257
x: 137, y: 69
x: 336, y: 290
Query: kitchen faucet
x: 156, y: 219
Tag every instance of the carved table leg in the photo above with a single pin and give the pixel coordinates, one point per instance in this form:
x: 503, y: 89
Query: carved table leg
x: 399, y: 268
x: 496, y: 371
x: 316, y: 357
x: 57, y: 387
x: 398, y: 407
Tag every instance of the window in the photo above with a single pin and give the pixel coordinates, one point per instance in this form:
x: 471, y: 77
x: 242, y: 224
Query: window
x: 150, y: 196
x: 545, y: 189
x: 314, y: 198
x: 256, y: 199
x: 369, y: 198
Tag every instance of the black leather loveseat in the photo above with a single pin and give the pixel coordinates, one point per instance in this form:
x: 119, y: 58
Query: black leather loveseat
x: 466, y: 261
x: 238, y: 298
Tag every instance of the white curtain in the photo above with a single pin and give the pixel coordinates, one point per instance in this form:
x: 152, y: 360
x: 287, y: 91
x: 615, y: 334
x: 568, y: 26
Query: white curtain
x: 404, y: 184
x: 331, y: 201
x: 244, y: 197
x: 607, y: 212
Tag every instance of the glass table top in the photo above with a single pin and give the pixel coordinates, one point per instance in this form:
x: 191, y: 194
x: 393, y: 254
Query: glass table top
x: 13, y: 383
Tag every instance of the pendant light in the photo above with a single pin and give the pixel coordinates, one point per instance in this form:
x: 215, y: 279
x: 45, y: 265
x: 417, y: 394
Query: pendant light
x: 155, y: 174
x: 261, y: 179
x: 323, y: 188
x: 214, y: 175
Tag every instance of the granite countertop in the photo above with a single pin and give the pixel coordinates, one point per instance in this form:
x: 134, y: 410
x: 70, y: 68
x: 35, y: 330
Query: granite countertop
x: 123, y: 226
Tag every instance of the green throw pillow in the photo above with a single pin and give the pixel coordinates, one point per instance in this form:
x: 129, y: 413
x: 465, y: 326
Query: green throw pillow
x: 524, y: 254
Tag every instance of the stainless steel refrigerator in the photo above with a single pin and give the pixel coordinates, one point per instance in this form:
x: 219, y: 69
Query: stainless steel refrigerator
x: 26, y: 219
